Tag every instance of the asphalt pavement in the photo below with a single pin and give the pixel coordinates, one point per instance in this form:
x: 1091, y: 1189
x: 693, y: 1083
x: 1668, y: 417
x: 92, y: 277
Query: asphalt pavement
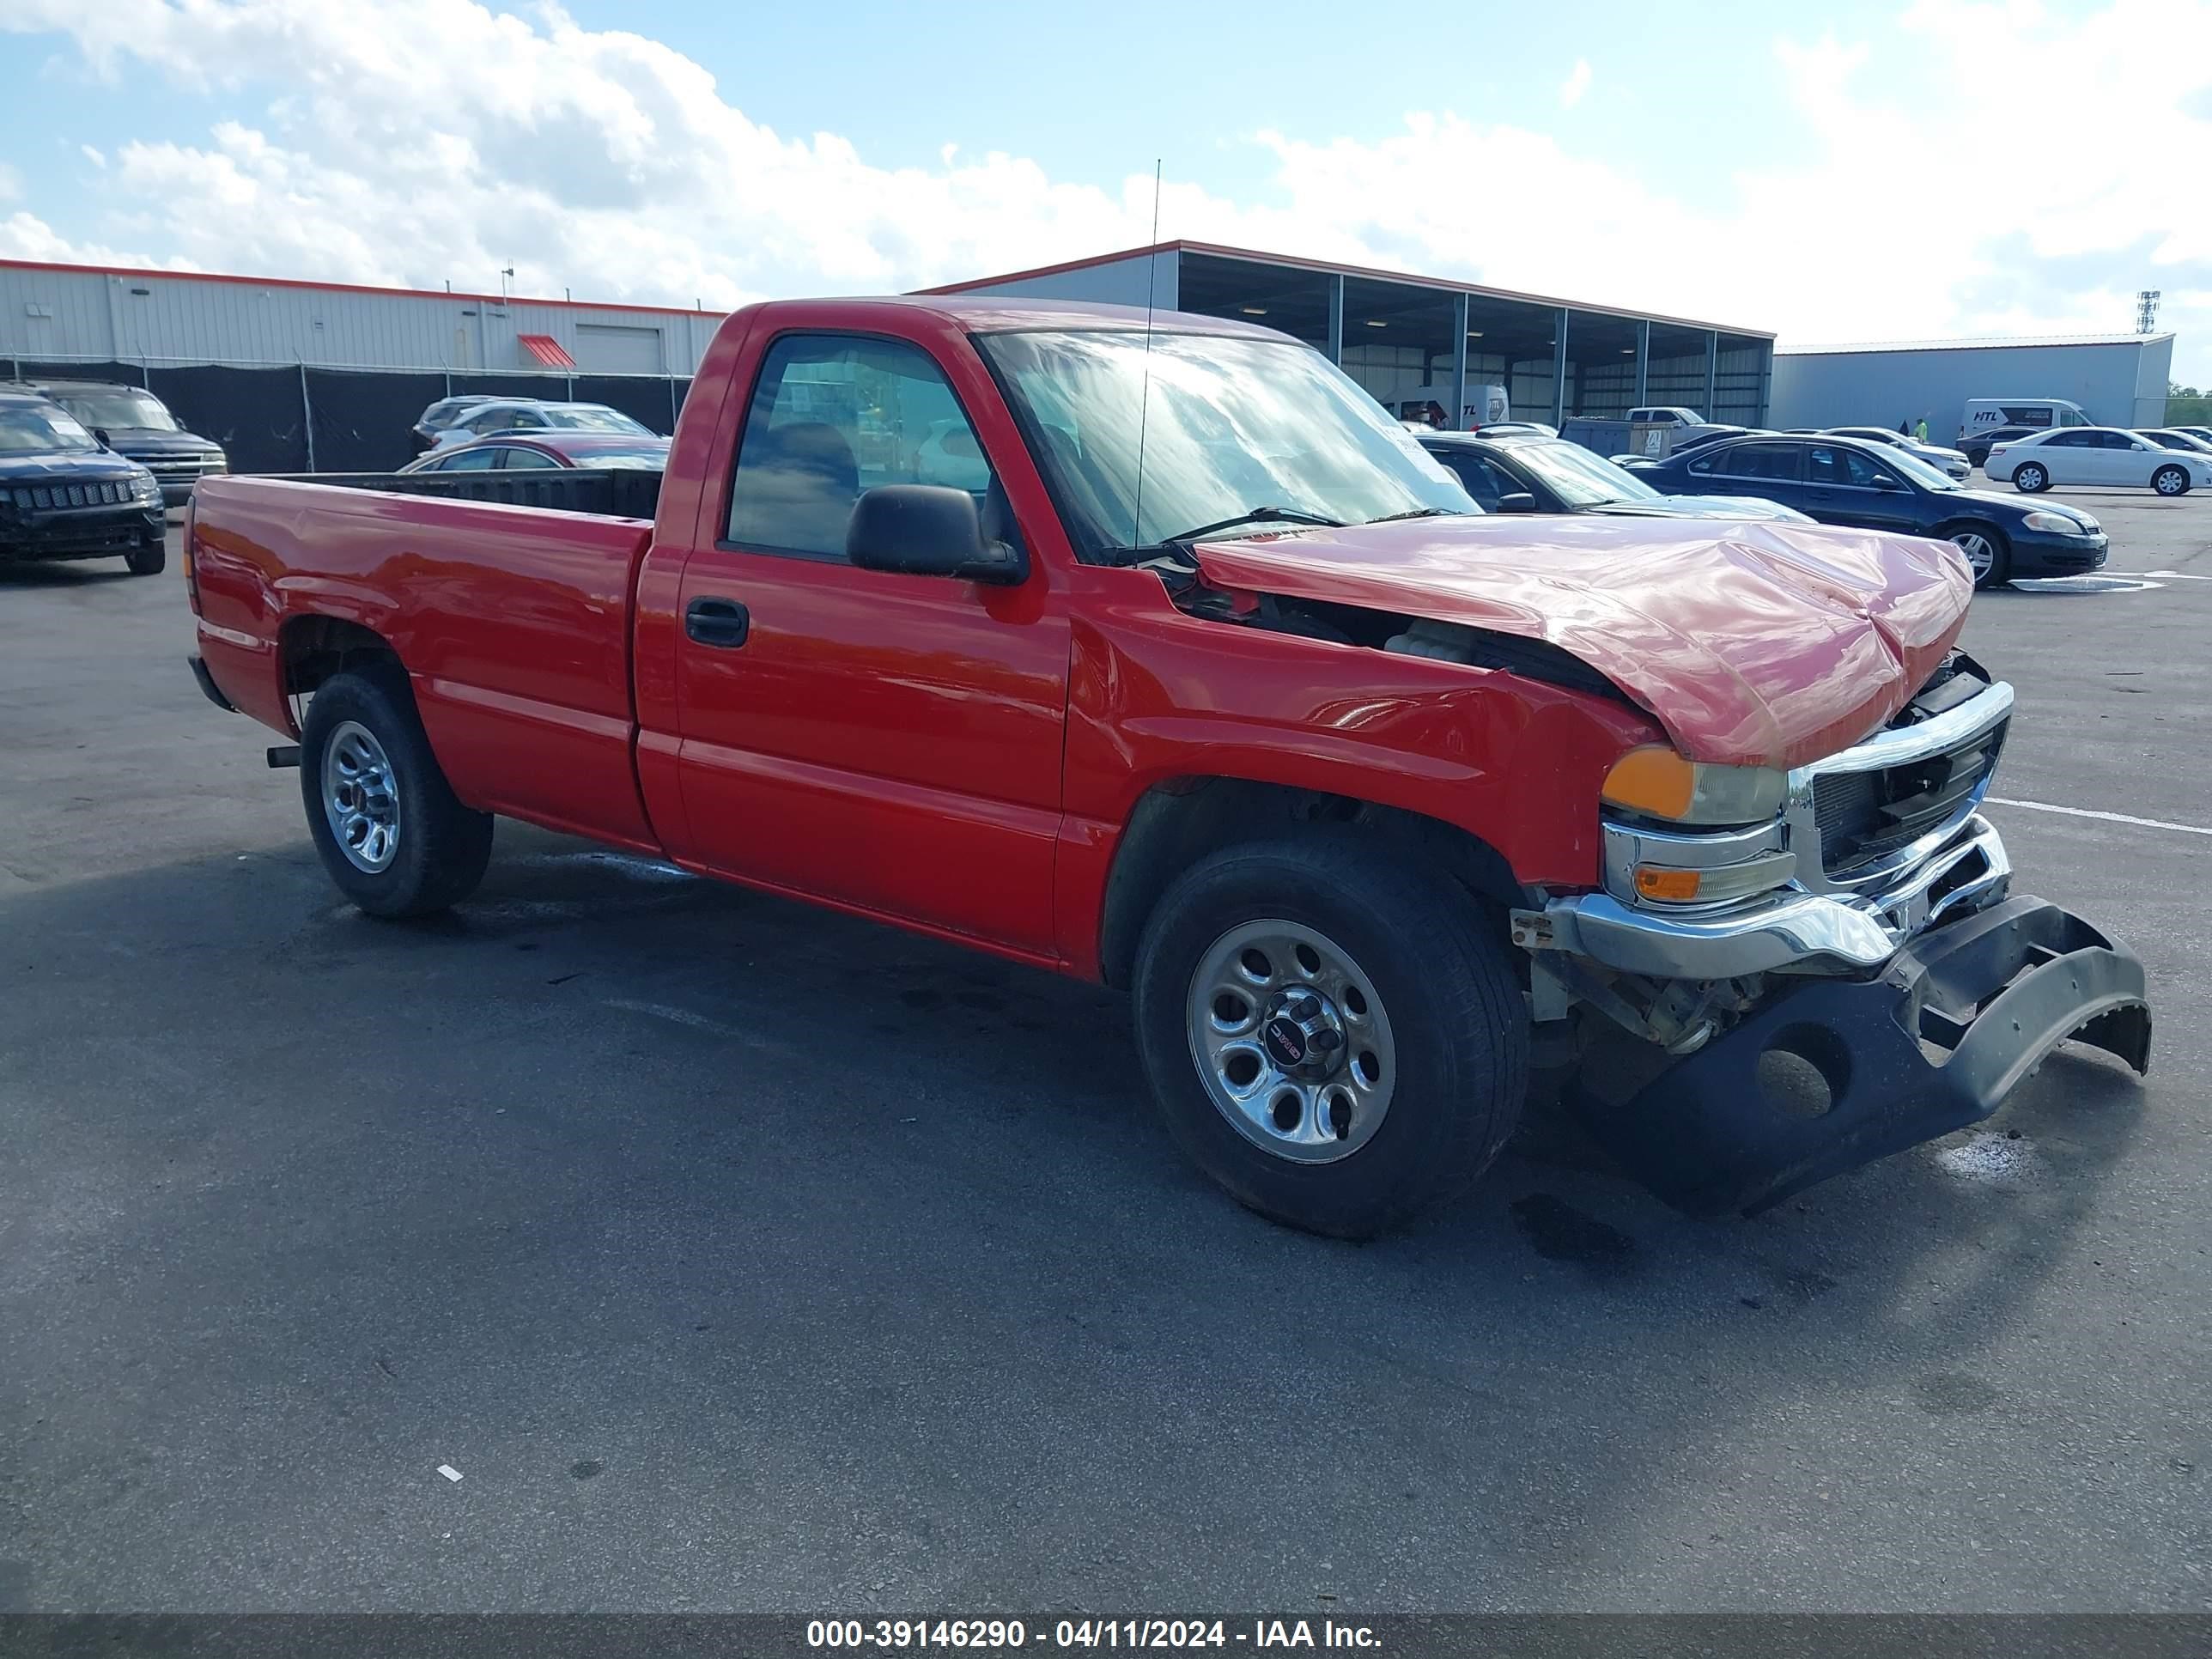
x: 741, y: 1256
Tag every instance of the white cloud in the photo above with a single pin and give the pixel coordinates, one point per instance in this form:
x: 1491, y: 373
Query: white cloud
x: 1576, y: 83
x: 413, y: 141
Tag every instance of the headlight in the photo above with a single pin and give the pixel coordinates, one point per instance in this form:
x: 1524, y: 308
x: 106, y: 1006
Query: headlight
x: 2055, y: 521
x: 1656, y: 781
x: 146, y: 487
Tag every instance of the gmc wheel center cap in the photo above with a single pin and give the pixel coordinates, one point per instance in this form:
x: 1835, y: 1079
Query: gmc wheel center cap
x: 1304, y: 1034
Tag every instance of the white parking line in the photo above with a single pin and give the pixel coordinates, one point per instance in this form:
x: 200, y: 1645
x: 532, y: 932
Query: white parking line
x: 2172, y: 575
x: 2108, y: 818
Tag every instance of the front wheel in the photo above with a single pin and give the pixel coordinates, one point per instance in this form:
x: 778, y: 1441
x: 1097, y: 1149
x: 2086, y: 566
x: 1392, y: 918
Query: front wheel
x: 146, y: 560
x: 1337, y: 1038
x: 1988, y: 554
x: 2170, y: 481
x: 2029, y: 478
x: 387, y: 824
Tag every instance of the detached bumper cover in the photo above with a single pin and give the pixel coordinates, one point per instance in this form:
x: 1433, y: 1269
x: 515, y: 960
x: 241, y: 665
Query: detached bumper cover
x: 1991, y: 994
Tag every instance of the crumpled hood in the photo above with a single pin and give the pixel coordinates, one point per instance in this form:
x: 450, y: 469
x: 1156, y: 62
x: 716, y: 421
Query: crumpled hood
x: 1753, y: 643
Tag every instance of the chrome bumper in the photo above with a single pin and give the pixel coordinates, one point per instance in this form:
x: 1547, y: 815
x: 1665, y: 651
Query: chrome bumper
x: 1792, y: 932
x: 1847, y: 925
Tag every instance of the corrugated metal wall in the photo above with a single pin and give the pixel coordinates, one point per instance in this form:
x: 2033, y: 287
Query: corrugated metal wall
x: 2117, y: 383
x: 61, y: 314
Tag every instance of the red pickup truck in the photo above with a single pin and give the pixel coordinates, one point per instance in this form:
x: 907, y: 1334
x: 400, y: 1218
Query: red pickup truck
x: 1153, y: 651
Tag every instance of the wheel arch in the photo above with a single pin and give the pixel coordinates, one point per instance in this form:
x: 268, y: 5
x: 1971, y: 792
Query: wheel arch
x: 1180, y: 820
x: 312, y: 647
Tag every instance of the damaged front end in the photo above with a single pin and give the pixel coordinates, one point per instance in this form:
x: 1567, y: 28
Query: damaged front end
x: 1867, y: 931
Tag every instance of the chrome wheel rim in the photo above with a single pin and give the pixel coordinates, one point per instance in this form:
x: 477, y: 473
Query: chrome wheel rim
x: 2168, y: 482
x: 2032, y: 476
x: 1291, y: 1040
x: 361, y: 798
x: 1980, y: 554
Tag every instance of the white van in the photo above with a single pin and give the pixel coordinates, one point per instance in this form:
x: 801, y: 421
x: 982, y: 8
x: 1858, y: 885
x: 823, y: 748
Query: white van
x: 2036, y: 414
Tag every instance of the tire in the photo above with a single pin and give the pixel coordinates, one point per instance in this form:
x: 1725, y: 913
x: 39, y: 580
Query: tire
x: 146, y: 560
x: 1417, y: 986
x: 1992, y: 563
x: 2030, y: 478
x: 2171, y: 481
x: 389, y: 829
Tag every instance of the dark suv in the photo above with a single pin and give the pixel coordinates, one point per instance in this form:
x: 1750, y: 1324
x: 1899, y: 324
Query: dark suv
x: 63, y: 495
x: 135, y: 423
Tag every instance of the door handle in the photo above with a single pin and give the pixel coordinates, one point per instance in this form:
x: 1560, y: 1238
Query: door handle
x: 723, y: 622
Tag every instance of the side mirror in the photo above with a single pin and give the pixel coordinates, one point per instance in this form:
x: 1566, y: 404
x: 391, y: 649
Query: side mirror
x: 927, y: 530
x: 1883, y: 481
x: 1516, y: 500
x: 99, y: 436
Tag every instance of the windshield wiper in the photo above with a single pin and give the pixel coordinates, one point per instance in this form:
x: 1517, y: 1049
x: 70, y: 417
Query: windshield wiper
x: 1256, y: 515
x: 1417, y: 512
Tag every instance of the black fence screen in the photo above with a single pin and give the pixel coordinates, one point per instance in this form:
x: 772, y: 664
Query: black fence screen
x: 255, y: 414
x: 359, y: 417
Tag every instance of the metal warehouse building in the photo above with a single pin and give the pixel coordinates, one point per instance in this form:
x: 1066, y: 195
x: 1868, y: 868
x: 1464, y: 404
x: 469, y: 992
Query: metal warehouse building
x: 298, y: 377
x: 2118, y: 380
x: 85, y: 313
x: 1414, y: 340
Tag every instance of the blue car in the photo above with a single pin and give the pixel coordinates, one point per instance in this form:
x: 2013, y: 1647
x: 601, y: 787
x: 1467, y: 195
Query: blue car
x: 1849, y: 481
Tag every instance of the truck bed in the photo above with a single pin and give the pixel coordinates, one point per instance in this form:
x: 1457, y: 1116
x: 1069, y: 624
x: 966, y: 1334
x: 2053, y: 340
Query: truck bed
x: 608, y: 493
x: 513, y: 621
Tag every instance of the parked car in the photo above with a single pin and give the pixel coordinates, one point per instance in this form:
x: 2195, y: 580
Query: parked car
x: 1849, y: 481
x: 2169, y: 437
x: 446, y: 410
x: 1524, y: 472
x: 1499, y: 428
x: 1685, y: 440
x: 2203, y: 432
x: 1951, y: 462
x: 2095, y: 455
x: 64, y: 495
x: 136, y: 424
x: 513, y: 452
x: 534, y: 414
x: 1348, y: 785
x: 1668, y: 415
x: 1976, y: 445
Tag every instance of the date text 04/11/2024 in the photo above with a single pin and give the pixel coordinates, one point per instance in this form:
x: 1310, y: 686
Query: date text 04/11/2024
x: 1005, y: 1635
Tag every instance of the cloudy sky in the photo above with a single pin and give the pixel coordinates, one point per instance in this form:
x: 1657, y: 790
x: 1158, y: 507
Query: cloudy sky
x: 1860, y: 171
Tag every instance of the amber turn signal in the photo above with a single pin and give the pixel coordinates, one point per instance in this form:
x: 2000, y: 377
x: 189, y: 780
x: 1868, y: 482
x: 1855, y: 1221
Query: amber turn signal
x: 1673, y: 886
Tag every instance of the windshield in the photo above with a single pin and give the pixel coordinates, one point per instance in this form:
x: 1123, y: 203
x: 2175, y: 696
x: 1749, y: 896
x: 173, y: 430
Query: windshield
x: 584, y: 418
x: 1580, y: 478
x: 1927, y: 477
x: 117, y: 408
x: 41, y: 430
x: 1230, y: 425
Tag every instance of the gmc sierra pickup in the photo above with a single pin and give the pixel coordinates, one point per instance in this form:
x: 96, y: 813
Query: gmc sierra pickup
x: 1153, y: 651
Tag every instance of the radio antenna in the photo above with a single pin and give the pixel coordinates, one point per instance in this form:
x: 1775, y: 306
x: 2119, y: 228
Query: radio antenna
x: 1144, y: 398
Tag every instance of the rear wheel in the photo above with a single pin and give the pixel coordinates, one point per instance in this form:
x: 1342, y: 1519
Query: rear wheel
x: 2029, y: 478
x: 1988, y: 556
x: 2171, y: 481
x: 388, y: 826
x: 146, y: 560
x: 1337, y: 1038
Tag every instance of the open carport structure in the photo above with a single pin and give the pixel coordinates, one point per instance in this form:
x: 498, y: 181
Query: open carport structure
x: 1412, y: 340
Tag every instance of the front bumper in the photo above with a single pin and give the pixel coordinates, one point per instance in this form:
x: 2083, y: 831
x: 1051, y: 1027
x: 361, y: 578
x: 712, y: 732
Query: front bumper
x: 80, y: 532
x: 1957, y: 1019
x: 2044, y: 553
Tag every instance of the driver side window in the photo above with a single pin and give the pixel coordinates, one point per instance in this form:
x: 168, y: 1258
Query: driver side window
x: 833, y: 416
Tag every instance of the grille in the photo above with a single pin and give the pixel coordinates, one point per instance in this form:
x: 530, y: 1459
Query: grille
x: 180, y: 466
x: 53, y: 495
x: 1864, y: 817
